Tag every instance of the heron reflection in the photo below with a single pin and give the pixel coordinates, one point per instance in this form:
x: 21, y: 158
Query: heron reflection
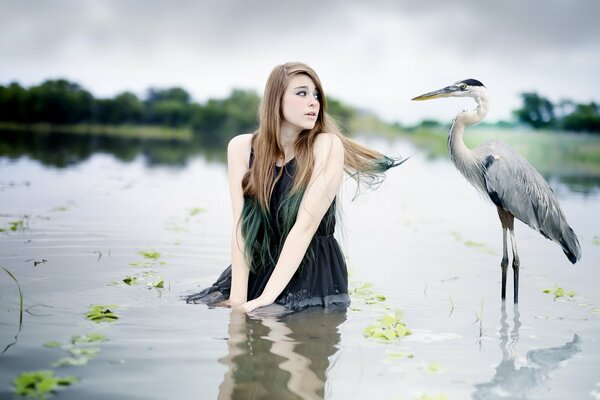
x: 513, y: 380
x: 285, y: 357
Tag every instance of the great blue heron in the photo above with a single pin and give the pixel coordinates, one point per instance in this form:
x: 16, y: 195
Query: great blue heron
x: 507, y: 179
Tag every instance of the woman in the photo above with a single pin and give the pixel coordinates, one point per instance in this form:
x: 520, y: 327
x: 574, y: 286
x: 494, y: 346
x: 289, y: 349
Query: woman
x: 283, y: 182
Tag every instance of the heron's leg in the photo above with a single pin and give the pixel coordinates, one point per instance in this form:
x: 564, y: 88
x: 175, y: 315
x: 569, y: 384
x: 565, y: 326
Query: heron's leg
x: 507, y: 220
x: 516, y: 264
x: 504, y: 262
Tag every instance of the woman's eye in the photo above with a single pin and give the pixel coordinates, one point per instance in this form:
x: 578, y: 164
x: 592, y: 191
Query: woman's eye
x: 301, y: 93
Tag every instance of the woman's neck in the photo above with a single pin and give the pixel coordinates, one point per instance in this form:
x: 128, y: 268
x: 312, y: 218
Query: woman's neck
x: 287, y: 138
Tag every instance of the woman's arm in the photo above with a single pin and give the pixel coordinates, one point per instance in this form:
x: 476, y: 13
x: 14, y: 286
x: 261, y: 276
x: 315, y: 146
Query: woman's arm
x: 324, y: 184
x: 238, y: 153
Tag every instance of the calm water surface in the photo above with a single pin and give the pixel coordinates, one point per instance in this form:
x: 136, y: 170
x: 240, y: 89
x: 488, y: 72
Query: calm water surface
x: 425, y: 240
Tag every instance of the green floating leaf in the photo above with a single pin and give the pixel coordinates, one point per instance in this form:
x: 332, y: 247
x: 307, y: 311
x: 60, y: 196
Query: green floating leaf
x: 130, y: 280
x: 141, y: 264
x: 91, y: 337
x: 398, y: 355
x: 559, y: 292
x: 388, y: 329
x: 88, y: 352
x: 53, y: 344
x: 71, y: 361
x: 101, y: 313
x: 365, y: 294
x: 39, y: 384
x: 196, y: 211
x: 435, y: 368
x: 152, y: 255
x: 158, y: 283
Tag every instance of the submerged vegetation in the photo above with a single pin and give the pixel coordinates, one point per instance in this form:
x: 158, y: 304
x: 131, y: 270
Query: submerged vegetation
x: 39, y: 385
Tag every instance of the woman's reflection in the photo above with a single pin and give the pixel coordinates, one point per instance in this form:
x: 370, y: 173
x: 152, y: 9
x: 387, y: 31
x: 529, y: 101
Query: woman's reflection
x: 285, y: 357
x: 514, y: 380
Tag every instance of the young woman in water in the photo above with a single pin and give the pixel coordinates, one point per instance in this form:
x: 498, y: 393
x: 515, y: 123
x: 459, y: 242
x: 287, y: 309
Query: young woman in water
x: 283, y: 182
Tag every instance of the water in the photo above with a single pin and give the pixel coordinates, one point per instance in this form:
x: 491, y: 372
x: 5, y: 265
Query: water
x: 424, y: 240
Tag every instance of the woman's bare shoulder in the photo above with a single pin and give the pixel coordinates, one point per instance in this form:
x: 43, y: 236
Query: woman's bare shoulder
x: 239, y: 148
x: 328, y: 144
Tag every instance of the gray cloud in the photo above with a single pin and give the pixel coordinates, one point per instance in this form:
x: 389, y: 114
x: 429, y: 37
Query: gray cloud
x: 372, y: 54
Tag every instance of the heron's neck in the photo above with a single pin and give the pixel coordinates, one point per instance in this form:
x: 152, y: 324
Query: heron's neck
x: 460, y: 154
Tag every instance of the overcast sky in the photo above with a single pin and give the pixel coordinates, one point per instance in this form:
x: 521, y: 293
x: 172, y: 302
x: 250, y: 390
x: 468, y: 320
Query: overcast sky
x: 375, y: 55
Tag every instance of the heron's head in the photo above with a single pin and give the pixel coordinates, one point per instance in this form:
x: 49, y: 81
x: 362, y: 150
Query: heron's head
x: 466, y: 88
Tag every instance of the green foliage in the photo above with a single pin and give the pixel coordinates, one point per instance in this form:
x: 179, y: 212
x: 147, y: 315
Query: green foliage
x: 152, y: 255
x: 158, y: 283
x: 91, y: 337
x: 365, y: 294
x: 585, y: 117
x: 220, y: 120
x: 539, y: 112
x: 389, y: 328
x: 100, y: 313
x: 40, y: 384
x: 559, y: 292
x: 130, y: 280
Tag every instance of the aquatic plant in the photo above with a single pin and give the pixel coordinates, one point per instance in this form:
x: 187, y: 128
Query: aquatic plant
x: 152, y: 255
x: 40, y: 384
x: 559, y: 292
x: 365, y: 294
x: 100, y: 313
x: 130, y: 280
x: 195, y: 211
x: 158, y: 283
x: 388, y: 328
x: 91, y: 337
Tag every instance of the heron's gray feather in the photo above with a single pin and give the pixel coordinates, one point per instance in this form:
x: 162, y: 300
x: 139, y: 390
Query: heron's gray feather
x: 515, y: 186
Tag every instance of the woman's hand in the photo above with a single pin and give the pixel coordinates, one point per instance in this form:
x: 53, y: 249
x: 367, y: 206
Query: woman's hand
x: 253, y: 304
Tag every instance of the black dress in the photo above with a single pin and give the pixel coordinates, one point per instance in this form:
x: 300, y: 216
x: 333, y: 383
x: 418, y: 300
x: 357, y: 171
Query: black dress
x: 322, y: 278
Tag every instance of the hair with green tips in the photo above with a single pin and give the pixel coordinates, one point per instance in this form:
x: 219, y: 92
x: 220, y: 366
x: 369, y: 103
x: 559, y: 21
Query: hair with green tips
x: 258, y: 223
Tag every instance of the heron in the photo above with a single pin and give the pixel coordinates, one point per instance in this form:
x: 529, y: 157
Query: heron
x: 507, y: 179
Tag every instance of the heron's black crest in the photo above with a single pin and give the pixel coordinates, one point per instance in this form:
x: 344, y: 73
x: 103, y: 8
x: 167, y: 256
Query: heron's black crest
x: 473, y: 82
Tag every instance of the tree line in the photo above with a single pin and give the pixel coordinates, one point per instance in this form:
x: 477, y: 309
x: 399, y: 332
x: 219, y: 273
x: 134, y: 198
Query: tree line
x: 540, y: 113
x: 62, y: 102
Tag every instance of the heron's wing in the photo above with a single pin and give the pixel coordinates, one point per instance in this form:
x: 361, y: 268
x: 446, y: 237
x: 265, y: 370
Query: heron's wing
x: 515, y: 186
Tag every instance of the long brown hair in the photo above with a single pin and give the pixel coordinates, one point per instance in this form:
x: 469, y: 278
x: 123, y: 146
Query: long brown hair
x: 261, y: 245
x: 360, y: 161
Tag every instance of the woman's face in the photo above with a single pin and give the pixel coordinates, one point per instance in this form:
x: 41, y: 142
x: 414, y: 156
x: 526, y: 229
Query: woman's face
x: 300, y: 103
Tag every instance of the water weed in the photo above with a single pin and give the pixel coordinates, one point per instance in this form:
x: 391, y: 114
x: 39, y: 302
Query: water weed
x: 559, y: 292
x: 39, y: 385
x: 100, y: 313
x: 388, y: 328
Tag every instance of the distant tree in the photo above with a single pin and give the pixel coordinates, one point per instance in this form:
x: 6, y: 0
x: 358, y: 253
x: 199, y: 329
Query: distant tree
x: 339, y: 111
x: 124, y: 108
x: 60, y: 102
x: 219, y: 120
x: 175, y: 93
x: 167, y: 107
x: 585, y: 117
x: 537, y: 111
x: 13, y: 105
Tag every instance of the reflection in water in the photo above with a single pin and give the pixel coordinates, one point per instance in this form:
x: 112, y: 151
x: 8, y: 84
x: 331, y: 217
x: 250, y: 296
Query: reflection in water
x: 63, y: 150
x: 283, y: 357
x: 515, y: 381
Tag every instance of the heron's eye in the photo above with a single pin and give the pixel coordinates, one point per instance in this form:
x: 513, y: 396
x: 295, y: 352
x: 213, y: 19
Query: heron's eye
x: 463, y: 87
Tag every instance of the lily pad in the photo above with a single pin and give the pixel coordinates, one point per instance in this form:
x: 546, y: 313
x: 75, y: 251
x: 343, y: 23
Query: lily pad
x: 100, y: 313
x: 40, y: 384
x: 91, y: 337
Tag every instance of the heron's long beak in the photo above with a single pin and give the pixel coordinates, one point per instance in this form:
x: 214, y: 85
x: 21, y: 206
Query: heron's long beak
x: 436, y: 94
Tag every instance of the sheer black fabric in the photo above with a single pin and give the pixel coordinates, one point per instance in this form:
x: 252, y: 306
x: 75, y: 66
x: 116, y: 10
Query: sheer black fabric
x: 322, y: 280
